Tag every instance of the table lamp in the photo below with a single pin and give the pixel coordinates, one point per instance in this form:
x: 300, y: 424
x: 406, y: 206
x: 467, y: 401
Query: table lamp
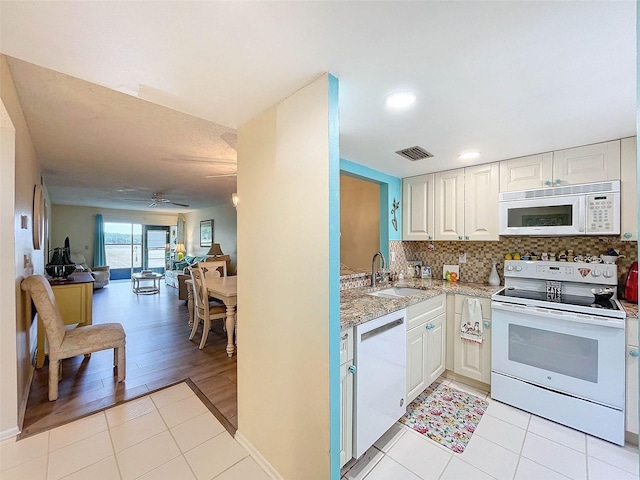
x: 215, y: 250
x: 180, y: 250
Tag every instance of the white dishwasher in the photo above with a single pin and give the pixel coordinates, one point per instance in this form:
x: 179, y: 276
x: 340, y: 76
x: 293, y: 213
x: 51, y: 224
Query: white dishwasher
x: 381, y: 378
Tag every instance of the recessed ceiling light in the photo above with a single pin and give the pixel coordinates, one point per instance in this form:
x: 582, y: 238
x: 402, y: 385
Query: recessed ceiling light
x: 468, y: 155
x: 400, y: 100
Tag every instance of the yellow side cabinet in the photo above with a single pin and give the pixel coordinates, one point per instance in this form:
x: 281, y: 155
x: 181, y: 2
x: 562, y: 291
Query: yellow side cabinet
x: 75, y: 301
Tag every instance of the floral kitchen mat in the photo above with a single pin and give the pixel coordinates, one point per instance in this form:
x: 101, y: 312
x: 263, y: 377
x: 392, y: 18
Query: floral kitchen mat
x: 445, y: 415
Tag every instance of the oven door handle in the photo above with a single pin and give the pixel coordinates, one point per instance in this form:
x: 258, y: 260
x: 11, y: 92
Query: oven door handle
x: 550, y: 314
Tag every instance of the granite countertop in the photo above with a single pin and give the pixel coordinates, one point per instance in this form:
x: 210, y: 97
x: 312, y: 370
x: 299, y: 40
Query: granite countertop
x: 356, y: 307
x: 630, y: 308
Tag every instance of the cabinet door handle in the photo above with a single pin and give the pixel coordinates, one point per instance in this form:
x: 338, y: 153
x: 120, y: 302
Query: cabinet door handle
x: 557, y: 181
x: 352, y: 369
x: 487, y: 324
x: 430, y: 326
x: 431, y: 238
x: 627, y: 235
x: 547, y: 183
x: 634, y: 353
x: 344, y: 337
x: 466, y: 237
x: 459, y: 237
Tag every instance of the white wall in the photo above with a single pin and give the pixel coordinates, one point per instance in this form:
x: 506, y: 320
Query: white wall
x: 19, y: 173
x: 283, y: 284
x: 79, y: 224
x: 225, y: 231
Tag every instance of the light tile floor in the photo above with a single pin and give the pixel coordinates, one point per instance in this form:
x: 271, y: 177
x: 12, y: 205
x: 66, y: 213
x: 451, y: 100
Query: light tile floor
x: 167, y: 435
x: 508, y: 444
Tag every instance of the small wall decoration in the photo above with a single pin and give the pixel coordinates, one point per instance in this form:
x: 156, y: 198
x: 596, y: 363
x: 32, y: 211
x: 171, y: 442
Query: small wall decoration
x: 394, y: 220
x: 206, y: 233
x: 38, y: 217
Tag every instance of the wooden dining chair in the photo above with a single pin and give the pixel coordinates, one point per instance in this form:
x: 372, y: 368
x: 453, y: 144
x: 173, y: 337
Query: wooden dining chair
x: 203, y: 310
x: 70, y: 343
x: 215, y: 268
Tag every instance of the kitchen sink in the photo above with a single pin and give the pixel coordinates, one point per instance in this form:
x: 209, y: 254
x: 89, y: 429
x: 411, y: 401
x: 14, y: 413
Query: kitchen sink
x: 396, y: 292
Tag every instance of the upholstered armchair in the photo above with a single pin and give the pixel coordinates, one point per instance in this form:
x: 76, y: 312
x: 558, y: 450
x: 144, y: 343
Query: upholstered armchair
x: 78, y: 341
x: 100, y: 274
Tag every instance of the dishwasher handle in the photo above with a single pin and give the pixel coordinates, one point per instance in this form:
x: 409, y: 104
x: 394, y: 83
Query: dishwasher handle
x: 381, y: 329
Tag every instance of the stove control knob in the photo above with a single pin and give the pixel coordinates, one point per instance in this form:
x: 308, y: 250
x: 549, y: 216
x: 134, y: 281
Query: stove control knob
x: 607, y: 274
x: 509, y: 268
x: 595, y: 273
x: 518, y: 268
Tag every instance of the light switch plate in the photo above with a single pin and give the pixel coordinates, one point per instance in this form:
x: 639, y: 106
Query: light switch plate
x: 462, y: 257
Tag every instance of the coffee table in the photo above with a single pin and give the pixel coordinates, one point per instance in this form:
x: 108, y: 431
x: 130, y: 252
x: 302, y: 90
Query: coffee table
x: 153, y: 278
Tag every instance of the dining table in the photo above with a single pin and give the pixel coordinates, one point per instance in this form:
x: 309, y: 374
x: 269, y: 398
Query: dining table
x: 224, y: 289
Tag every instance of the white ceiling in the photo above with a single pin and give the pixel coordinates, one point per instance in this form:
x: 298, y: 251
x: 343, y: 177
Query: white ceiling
x: 505, y: 78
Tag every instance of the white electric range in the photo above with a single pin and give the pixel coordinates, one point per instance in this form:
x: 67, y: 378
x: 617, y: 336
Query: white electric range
x: 557, y: 351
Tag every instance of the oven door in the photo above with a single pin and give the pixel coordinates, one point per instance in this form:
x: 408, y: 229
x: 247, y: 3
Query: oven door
x: 543, y: 216
x: 577, y: 354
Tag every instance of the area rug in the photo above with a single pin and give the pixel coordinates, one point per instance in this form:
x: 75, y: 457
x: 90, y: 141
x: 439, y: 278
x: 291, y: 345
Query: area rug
x: 445, y: 415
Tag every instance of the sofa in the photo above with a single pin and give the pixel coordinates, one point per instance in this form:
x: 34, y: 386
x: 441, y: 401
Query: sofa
x: 100, y: 274
x: 179, y: 274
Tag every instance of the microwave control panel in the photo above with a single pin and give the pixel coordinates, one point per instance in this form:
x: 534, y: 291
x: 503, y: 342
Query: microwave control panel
x: 603, y: 213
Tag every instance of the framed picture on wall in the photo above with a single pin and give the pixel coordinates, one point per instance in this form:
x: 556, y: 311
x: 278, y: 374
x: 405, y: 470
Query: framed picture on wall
x: 206, y: 233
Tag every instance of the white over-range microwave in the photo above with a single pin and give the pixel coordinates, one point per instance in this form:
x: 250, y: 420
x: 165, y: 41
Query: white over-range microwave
x: 588, y: 209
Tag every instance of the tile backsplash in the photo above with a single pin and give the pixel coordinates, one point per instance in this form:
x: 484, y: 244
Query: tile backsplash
x: 480, y: 254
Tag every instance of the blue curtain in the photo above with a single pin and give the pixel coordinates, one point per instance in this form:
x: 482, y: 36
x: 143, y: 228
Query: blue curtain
x: 181, y: 225
x: 99, y: 253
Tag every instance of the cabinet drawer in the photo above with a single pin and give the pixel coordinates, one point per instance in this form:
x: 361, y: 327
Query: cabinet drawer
x: 485, y: 304
x: 346, y: 345
x: 424, y: 311
x: 632, y: 332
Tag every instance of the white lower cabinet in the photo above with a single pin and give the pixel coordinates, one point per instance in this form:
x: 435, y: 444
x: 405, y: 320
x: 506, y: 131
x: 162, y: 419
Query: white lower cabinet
x: 631, y: 403
x: 470, y: 359
x: 426, y: 344
x: 346, y: 395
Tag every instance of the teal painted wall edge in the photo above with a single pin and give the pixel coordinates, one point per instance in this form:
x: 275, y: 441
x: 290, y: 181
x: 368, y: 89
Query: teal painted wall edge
x: 390, y: 190
x: 334, y: 279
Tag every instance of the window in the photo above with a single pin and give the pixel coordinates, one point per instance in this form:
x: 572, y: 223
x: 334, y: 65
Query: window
x: 123, y: 246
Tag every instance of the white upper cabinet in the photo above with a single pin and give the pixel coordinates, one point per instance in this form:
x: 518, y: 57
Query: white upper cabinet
x: 628, y: 189
x: 526, y: 173
x: 418, y: 207
x: 481, y: 202
x: 588, y: 164
x: 592, y: 163
x: 467, y: 203
x: 449, y: 202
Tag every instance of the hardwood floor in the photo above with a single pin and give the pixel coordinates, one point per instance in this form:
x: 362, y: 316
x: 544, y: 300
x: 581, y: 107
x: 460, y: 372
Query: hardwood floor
x: 159, y: 354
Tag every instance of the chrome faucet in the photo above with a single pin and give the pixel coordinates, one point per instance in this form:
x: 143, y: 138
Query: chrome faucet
x: 383, y: 265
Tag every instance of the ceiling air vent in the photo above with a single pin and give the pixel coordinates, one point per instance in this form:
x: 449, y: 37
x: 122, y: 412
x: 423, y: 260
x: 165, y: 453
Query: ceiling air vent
x: 414, y: 153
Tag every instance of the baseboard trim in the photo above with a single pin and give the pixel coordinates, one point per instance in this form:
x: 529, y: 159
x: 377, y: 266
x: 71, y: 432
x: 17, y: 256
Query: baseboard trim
x: 7, y: 434
x: 22, y: 408
x: 257, y: 456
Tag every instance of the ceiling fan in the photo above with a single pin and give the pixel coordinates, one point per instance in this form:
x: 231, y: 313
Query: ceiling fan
x: 158, y: 199
x: 221, y: 175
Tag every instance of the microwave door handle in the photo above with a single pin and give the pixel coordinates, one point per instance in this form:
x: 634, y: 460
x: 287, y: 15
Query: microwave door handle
x: 582, y: 214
